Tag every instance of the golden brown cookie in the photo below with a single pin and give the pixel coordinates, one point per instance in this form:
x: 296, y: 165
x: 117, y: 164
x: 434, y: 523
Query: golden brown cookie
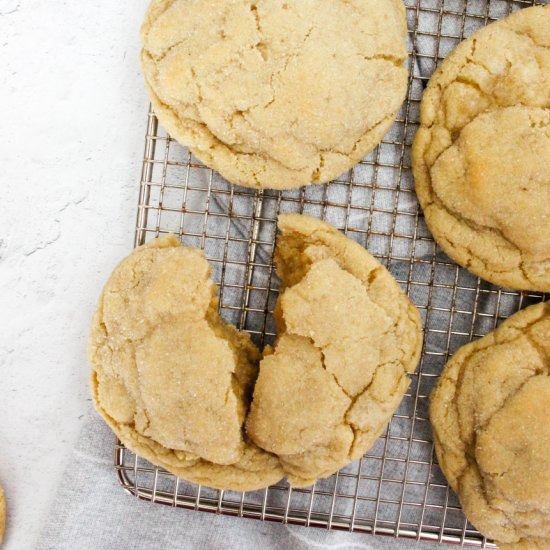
x: 348, y: 338
x: 174, y: 381
x: 276, y: 94
x: 489, y: 414
x: 481, y: 157
x: 169, y: 376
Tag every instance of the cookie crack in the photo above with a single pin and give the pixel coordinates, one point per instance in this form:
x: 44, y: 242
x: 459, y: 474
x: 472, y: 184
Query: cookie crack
x: 483, y: 475
x: 469, y: 449
x: 199, y: 88
x: 132, y: 343
x: 472, y: 83
x: 472, y: 223
x: 395, y: 60
x: 316, y: 173
x: 480, y: 227
x: 438, y: 202
x: 315, y: 239
x: 256, y: 15
x: 217, y: 141
x: 544, y: 354
x: 323, y: 364
x: 357, y: 430
x: 159, y: 58
x: 530, y: 38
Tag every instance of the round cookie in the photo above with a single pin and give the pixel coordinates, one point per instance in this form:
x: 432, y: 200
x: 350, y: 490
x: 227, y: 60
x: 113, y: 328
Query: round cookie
x: 276, y: 93
x: 348, y: 337
x: 481, y: 157
x: 169, y: 376
x: 489, y: 414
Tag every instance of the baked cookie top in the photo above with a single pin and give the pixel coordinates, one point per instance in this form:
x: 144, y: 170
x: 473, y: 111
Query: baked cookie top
x: 276, y: 93
x: 169, y: 376
x: 489, y: 414
x: 174, y: 381
x: 348, y: 336
x: 481, y: 157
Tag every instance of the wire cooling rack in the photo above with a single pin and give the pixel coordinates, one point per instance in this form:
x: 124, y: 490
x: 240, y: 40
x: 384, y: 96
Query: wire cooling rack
x: 396, y: 488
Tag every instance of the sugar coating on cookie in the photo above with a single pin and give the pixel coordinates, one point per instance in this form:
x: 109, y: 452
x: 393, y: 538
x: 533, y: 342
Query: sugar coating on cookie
x: 489, y: 414
x: 174, y: 381
x: 348, y: 336
x: 169, y: 376
x: 481, y: 157
x: 276, y: 93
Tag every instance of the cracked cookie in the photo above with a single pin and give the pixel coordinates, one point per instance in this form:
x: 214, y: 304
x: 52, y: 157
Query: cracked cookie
x: 489, y: 414
x: 481, y: 157
x: 174, y: 382
x: 276, y: 94
x: 348, y: 337
x: 171, y: 379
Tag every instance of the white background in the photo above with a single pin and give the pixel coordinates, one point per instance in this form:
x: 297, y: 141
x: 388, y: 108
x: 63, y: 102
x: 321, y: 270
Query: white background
x: 72, y: 126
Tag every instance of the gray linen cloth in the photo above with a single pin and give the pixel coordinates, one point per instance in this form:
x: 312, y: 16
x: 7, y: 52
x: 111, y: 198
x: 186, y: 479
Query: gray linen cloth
x: 92, y: 511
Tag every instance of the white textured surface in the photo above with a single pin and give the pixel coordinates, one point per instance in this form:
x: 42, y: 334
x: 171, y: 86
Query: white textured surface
x: 73, y: 120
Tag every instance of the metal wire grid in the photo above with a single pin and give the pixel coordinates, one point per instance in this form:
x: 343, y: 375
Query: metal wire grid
x: 396, y: 488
